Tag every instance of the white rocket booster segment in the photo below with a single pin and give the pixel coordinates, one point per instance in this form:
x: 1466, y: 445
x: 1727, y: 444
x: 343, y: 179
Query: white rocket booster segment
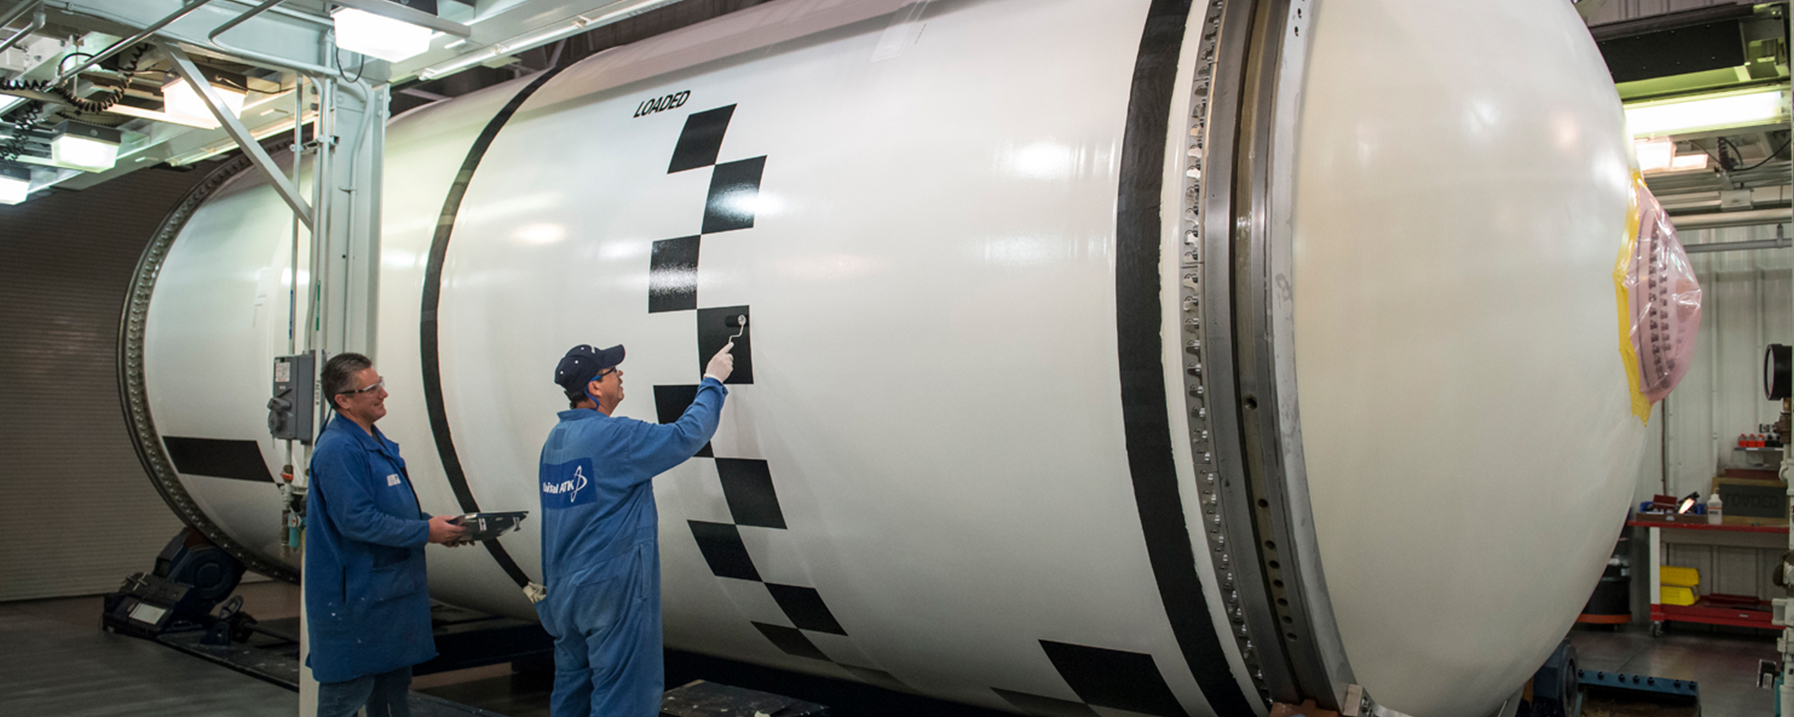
x: 1033, y: 285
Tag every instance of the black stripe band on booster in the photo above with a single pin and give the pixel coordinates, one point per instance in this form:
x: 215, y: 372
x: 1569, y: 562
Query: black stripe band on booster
x: 427, y: 348
x: 219, y: 458
x: 1137, y: 318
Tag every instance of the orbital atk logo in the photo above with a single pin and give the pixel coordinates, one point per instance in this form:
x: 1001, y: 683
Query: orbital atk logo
x: 565, y: 485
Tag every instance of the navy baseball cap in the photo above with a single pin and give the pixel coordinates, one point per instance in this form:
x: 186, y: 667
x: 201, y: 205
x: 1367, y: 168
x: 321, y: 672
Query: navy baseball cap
x: 582, y: 364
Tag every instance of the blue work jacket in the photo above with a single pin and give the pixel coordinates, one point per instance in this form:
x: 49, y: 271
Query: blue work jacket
x: 601, y: 553
x: 597, y: 501
x: 366, y: 598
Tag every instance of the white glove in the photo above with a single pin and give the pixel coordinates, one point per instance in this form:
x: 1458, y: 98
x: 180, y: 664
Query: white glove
x: 722, y: 364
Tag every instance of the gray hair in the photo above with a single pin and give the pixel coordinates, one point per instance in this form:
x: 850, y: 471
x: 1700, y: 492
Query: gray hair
x: 339, y: 374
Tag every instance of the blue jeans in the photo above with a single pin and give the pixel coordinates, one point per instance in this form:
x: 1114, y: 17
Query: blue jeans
x: 385, y: 694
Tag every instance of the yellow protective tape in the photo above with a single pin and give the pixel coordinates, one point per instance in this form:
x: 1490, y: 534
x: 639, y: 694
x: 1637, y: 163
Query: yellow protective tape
x: 1641, y: 406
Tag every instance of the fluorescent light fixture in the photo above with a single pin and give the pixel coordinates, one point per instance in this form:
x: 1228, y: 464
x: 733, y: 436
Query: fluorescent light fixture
x: 8, y: 102
x: 1685, y: 162
x: 86, y: 147
x: 195, y: 122
x: 259, y: 108
x: 1654, y: 154
x: 15, y: 184
x: 1707, y: 112
x: 379, y: 36
x: 181, y: 99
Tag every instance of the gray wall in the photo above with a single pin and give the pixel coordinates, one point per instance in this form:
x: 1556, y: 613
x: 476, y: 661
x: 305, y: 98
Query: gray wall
x: 1746, y: 305
x: 77, y: 511
x: 1747, y: 302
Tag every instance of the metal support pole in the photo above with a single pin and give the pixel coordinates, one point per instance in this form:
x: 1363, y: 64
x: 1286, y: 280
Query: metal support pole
x: 243, y: 18
x: 19, y: 11
x: 308, y: 683
x: 37, y: 23
x: 232, y: 126
x: 335, y: 276
x: 1785, y: 695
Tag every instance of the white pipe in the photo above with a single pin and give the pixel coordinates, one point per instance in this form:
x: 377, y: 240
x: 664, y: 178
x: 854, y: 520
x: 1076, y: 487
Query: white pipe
x: 1711, y: 308
x: 293, y: 266
x: 1761, y: 310
x: 538, y: 38
x: 1716, y: 220
x: 1714, y: 247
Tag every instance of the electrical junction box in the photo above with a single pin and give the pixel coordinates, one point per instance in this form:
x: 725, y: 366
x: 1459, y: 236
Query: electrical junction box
x: 290, y: 410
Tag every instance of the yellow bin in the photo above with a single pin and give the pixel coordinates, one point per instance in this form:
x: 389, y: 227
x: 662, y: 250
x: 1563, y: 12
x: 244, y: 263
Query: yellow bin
x: 1680, y: 577
x: 1672, y: 595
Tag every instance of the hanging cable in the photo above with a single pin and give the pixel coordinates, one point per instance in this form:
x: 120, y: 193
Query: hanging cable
x: 128, y: 67
x: 70, y: 56
x: 1772, y: 155
x: 338, y: 53
x: 24, y: 119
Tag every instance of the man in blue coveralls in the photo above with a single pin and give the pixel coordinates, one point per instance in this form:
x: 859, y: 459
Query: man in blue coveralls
x: 366, y: 598
x: 600, y: 533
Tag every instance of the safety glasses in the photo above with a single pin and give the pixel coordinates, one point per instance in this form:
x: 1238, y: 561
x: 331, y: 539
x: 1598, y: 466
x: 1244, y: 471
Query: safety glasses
x: 380, y: 384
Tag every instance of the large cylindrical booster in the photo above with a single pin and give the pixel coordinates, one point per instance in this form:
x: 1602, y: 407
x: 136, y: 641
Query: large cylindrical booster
x: 1143, y: 355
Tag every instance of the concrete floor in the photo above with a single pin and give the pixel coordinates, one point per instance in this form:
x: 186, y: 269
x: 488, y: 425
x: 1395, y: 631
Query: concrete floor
x: 1722, y: 660
x: 58, y: 661
x: 52, y: 667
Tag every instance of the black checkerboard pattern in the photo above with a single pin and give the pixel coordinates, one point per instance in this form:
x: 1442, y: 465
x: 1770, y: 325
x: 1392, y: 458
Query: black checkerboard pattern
x: 729, y: 206
x: 1107, y: 682
x: 747, y: 483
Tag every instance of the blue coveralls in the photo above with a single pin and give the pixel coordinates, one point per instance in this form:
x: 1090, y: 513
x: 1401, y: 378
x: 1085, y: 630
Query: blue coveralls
x: 601, y: 553
x: 366, y: 597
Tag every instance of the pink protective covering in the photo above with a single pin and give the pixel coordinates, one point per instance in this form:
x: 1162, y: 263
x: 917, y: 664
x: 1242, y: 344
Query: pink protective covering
x: 1664, y: 300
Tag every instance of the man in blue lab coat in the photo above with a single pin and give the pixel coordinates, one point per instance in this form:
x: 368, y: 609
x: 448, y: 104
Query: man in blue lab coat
x: 600, y: 534
x: 366, y: 599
